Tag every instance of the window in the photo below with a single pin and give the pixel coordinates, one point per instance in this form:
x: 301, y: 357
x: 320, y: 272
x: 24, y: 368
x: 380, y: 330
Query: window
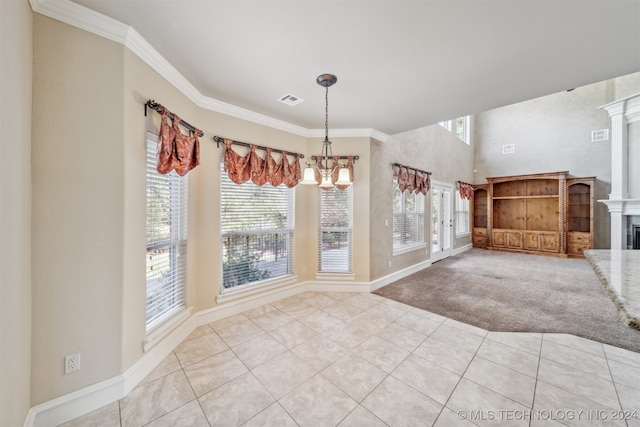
x: 257, y: 232
x: 336, y: 212
x: 408, y: 220
x: 446, y: 124
x: 462, y: 215
x: 166, y: 240
x: 460, y: 127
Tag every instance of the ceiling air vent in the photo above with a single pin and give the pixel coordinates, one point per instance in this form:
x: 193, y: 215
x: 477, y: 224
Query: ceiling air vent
x: 290, y: 99
x: 508, y: 149
x: 599, y: 135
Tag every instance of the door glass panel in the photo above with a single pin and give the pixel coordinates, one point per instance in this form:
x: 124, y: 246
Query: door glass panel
x: 435, y: 220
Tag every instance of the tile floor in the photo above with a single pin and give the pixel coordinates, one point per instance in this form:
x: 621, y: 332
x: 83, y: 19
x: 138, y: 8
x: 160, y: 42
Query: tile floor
x: 348, y: 359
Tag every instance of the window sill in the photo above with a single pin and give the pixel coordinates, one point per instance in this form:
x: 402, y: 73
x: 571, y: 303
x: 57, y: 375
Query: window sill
x: 465, y: 234
x: 248, y: 290
x: 159, y: 332
x: 409, y: 248
x: 335, y: 276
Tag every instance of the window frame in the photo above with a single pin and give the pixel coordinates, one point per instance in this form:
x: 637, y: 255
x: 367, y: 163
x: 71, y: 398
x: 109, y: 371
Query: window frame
x: 176, y: 243
x: 261, y: 235
x: 348, y: 230
x: 452, y: 126
x: 458, y: 213
x: 421, y: 229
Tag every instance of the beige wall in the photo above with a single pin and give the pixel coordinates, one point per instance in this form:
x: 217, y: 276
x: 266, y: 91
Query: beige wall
x: 89, y: 205
x: 15, y: 210
x: 78, y: 161
x: 553, y: 133
x: 431, y: 148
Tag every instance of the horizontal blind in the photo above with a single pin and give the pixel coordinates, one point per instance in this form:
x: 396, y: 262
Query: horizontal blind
x: 408, y: 217
x: 462, y: 215
x: 335, y: 239
x: 166, y: 240
x: 257, y: 231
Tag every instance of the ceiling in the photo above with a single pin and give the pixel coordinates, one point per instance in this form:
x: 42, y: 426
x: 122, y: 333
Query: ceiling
x: 400, y: 65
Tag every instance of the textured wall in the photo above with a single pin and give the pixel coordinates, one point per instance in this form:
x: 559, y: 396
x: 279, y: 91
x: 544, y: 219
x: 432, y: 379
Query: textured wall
x: 431, y: 148
x: 553, y: 133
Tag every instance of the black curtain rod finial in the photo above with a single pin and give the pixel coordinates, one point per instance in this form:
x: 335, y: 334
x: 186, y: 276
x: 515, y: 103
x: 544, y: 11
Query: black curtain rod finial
x: 158, y: 107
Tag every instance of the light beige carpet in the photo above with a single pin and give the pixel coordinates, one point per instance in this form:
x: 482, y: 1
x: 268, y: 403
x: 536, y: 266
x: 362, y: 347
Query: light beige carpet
x: 511, y: 292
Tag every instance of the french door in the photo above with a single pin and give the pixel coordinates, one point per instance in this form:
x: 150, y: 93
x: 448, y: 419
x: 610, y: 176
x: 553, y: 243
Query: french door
x: 441, y: 221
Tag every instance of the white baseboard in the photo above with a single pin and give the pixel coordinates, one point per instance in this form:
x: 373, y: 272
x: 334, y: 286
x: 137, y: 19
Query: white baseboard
x: 400, y: 274
x: 64, y: 408
x: 461, y: 249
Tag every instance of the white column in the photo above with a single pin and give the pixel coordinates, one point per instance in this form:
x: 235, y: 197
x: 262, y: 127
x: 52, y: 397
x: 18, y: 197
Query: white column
x: 618, y: 228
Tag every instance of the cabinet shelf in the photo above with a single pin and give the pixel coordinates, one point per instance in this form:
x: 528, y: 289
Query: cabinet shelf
x: 550, y: 196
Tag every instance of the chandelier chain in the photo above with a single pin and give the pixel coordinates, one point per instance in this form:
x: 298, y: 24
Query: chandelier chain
x: 326, y: 113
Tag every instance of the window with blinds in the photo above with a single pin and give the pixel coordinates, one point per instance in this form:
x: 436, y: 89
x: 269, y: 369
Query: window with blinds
x: 257, y: 232
x: 462, y: 215
x: 408, y: 219
x: 166, y: 240
x: 335, y: 241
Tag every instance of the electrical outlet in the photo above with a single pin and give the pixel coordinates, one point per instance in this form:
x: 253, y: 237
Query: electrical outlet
x: 389, y: 264
x: 72, y: 363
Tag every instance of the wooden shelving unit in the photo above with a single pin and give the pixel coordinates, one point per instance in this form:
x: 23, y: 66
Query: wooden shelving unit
x: 579, y: 216
x: 480, y: 200
x: 537, y: 213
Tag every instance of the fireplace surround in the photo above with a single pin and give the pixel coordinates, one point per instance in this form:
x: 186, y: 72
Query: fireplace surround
x: 624, y: 198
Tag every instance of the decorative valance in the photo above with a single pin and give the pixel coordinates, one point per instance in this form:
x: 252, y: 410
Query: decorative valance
x: 251, y: 166
x: 412, y: 180
x: 466, y: 190
x: 176, y: 151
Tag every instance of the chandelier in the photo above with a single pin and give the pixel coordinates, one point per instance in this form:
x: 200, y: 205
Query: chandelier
x: 326, y: 169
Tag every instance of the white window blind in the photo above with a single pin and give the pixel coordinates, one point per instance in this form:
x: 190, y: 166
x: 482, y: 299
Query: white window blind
x: 462, y: 215
x: 166, y: 240
x: 335, y: 241
x: 256, y: 230
x: 408, y: 218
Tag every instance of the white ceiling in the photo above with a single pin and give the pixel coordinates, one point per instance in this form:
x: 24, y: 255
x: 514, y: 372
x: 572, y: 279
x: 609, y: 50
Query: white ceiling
x: 401, y: 65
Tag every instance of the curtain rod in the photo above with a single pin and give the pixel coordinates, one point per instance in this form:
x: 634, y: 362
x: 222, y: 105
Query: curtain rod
x: 158, y: 107
x: 409, y: 167
x: 332, y: 157
x: 218, y: 140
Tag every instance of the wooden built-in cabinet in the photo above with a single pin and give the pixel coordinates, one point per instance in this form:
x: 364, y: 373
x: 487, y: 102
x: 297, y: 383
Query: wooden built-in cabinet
x: 579, y: 216
x: 540, y: 213
x: 479, y: 232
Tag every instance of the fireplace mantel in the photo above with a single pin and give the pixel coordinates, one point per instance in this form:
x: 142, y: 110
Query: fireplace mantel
x: 623, y: 206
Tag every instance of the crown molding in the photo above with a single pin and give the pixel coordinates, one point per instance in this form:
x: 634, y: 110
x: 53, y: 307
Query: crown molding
x: 89, y: 20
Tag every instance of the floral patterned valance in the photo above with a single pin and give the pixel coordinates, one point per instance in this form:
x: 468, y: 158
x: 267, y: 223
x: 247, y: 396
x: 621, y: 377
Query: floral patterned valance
x: 412, y: 179
x: 176, y: 151
x: 466, y: 190
x: 260, y: 171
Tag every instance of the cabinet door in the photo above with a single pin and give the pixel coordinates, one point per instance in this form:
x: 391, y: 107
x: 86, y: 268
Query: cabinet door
x: 532, y: 240
x: 514, y: 239
x: 550, y: 242
x: 499, y: 238
x: 479, y: 237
